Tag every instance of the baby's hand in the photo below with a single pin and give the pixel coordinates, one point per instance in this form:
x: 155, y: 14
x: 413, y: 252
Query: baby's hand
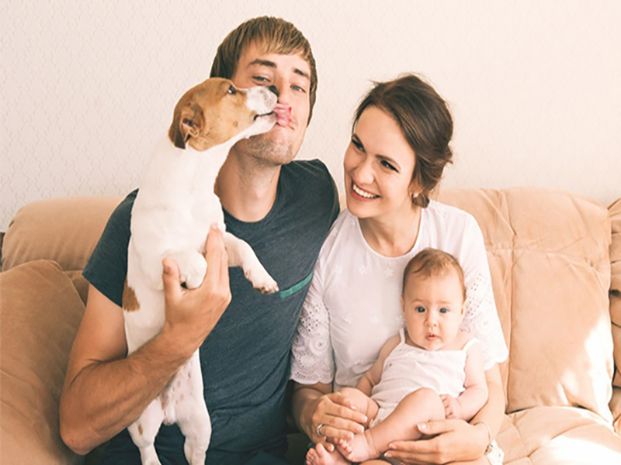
x: 452, y: 407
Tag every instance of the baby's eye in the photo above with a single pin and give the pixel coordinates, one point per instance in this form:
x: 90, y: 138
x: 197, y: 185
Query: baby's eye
x: 445, y: 310
x: 419, y: 309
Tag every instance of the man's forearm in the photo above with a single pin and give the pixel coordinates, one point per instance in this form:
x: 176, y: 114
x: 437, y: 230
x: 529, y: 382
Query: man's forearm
x: 106, y: 397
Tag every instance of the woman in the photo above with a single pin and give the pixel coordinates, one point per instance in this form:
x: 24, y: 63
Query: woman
x: 398, y: 150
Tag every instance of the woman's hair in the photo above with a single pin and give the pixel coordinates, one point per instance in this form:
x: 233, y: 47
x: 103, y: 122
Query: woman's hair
x: 275, y: 35
x: 425, y: 121
x: 433, y: 262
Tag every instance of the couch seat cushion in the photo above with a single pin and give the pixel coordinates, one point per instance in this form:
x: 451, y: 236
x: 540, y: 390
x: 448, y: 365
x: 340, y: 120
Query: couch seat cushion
x: 40, y: 311
x: 558, y: 436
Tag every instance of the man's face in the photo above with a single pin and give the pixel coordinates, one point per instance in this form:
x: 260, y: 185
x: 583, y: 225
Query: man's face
x: 290, y: 74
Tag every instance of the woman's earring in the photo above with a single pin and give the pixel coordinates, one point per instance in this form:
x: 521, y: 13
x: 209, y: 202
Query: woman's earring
x: 414, y: 195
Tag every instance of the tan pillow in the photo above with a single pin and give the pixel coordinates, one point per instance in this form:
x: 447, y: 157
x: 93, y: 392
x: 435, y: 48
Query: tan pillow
x: 64, y: 230
x: 549, y: 257
x: 39, y: 313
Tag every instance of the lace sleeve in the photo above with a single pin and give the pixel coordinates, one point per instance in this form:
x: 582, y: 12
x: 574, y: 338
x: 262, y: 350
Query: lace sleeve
x: 312, y: 358
x: 481, y: 320
x: 481, y: 316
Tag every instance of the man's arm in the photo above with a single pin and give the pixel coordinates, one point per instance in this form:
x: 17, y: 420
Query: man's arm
x: 105, y: 391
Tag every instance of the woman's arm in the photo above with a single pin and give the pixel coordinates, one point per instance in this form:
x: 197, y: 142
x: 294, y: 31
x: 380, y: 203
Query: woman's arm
x: 456, y: 440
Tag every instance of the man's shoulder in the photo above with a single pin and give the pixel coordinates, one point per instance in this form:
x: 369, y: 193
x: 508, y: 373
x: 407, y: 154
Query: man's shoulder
x: 308, y: 183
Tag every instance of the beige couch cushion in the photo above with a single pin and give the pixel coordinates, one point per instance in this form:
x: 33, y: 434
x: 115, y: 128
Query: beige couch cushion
x: 64, y: 230
x: 614, y: 211
x: 548, y: 252
x: 558, y: 435
x: 40, y: 311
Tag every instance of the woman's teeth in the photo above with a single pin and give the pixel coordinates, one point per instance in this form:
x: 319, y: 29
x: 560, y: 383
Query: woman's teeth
x: 362, y: 193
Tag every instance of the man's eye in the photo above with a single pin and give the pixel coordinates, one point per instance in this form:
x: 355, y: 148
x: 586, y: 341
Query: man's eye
x: 260, y: 79
x: 419, y: 309
x: 299, y: 89
x: 231, y: 90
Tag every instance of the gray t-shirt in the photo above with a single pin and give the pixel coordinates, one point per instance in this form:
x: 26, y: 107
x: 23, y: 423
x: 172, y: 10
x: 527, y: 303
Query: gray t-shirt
x: 245, y: 359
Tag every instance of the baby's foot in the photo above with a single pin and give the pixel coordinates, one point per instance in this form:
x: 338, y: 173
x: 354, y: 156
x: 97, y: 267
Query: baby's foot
x: 318, y: 455
x: 360, y: 448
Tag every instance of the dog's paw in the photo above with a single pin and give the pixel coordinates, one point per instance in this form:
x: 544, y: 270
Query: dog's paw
x: 261, y: 280
x: 192, y: 268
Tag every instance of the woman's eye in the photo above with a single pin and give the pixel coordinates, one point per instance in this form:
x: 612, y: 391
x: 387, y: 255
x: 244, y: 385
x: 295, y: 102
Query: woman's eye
x: 387, y: 165
x: 356, y: 143
x: 419, y: 309
x: 231, y: 91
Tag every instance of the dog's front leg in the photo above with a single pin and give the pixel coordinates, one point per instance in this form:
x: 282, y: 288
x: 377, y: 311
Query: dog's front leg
x: 241, y: 254
x: 192, y: 266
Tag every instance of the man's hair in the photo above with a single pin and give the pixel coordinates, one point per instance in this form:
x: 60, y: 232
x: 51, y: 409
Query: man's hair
x: 275, y: 35
x: 432, y: 262
x: 426, y: 124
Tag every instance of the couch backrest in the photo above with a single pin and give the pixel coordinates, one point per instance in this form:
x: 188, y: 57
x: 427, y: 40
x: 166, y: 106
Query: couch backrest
x: 549, y: 257
x: 65, y: 230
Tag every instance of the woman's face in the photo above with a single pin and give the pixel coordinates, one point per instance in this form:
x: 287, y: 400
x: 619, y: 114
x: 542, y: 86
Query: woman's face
x: 378, y: 168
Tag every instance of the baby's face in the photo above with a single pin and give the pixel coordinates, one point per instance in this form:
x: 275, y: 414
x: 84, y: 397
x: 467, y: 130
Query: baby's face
x: 433, y: 309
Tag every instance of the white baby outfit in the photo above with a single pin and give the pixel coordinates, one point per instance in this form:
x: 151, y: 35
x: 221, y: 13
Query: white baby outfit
x: 408, y: 368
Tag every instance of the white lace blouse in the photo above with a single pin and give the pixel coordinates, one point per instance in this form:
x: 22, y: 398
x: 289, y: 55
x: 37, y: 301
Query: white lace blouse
x: 353, y: 304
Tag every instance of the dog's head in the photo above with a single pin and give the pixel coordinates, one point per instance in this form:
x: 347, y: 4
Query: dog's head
x: 215, y: 110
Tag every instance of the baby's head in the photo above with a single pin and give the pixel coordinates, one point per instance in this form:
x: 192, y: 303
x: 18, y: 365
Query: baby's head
x: 433, y: 298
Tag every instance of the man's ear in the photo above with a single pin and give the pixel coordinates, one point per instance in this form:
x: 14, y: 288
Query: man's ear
x: 187, y: 122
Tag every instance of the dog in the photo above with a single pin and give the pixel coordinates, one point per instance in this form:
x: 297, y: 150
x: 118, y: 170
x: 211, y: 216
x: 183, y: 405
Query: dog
x: 174, y: 209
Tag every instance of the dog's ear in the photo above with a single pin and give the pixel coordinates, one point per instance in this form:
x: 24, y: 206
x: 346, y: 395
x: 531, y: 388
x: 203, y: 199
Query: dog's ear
x: 188, y: 122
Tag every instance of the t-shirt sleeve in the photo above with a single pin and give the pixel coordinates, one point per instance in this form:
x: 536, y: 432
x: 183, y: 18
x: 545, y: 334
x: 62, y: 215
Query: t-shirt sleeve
x: 312, y: 359
x: 481, y: 316
x: 107, y: 267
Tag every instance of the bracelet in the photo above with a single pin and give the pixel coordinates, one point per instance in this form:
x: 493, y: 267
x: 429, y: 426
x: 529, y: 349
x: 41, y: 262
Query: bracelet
x: 489, y: 434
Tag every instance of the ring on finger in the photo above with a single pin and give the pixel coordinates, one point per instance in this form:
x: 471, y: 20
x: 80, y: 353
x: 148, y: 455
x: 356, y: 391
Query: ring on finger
x: 319, y: 429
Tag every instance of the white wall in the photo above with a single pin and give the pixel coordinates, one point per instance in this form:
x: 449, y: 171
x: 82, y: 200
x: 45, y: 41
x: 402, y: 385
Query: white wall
x: 535, y: 86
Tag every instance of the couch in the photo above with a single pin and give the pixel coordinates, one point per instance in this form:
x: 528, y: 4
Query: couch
x: 556, y: 266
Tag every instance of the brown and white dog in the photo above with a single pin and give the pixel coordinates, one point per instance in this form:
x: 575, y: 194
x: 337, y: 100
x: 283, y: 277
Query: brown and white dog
x: 171, y: 216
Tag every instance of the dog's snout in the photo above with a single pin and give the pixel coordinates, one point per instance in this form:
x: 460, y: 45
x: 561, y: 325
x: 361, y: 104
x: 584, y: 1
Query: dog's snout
x: 274, y: 89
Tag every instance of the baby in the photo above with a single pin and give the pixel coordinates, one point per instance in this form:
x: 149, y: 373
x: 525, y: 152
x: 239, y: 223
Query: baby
x: 431, y: 370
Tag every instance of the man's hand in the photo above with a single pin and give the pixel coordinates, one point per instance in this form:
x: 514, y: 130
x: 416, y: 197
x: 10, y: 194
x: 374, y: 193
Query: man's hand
x: 192, y: 314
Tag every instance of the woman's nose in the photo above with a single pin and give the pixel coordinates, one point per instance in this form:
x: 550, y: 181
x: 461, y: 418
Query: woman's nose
x: 364, y: 172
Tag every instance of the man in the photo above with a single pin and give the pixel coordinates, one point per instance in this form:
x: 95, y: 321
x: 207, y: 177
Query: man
x: 283, y: 210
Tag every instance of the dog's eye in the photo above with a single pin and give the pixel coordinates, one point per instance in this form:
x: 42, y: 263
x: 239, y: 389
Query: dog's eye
x: 232, y: 90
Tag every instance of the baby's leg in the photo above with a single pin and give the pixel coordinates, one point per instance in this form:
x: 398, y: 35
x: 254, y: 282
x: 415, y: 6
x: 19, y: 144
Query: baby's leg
x: 361, y: 402
x: 419, y: 406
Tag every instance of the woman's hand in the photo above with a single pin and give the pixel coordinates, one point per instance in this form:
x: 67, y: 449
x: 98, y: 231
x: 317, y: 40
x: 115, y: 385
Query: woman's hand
x: 452, y: 441
x: 334, y: 417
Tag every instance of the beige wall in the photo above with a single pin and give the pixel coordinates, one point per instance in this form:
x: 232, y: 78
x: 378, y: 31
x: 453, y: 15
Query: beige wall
x: 535, y: 86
